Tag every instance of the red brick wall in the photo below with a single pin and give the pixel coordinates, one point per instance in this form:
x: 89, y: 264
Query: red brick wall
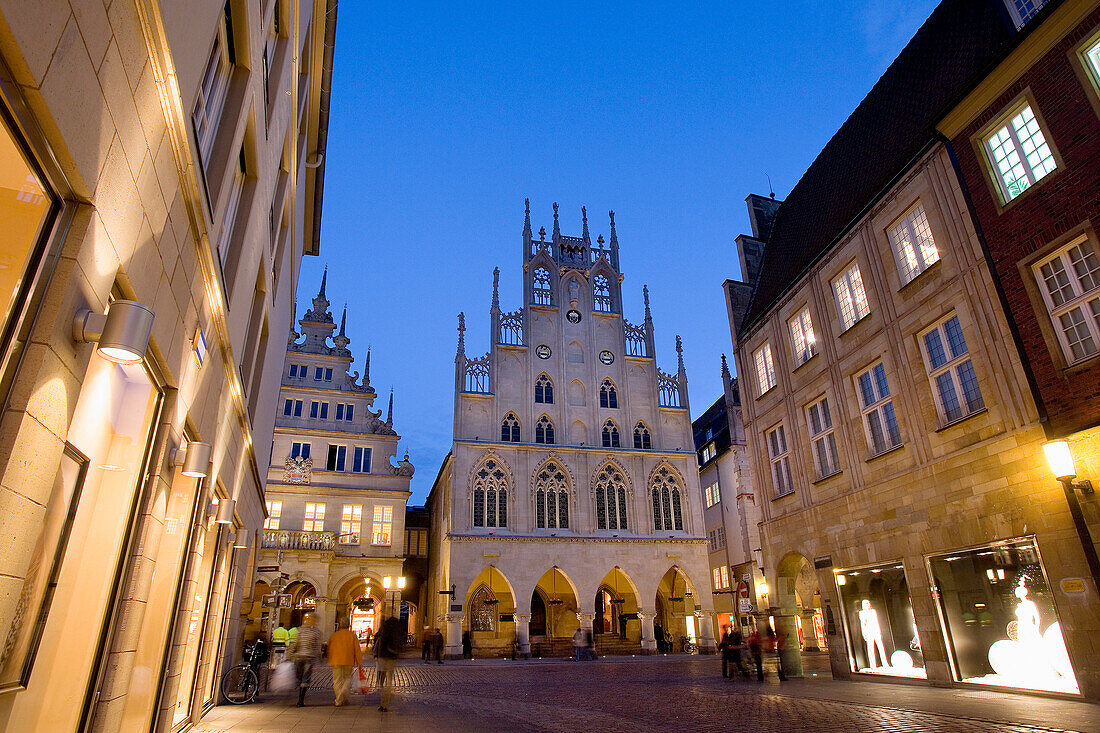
x: 1058, y: 205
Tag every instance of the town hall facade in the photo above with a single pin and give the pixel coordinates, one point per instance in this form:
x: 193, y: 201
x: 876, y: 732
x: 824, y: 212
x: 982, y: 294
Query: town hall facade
x: 571, y: 494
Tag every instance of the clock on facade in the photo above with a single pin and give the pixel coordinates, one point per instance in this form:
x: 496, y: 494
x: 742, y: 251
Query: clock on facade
x: 573, y: 316
x: 606, y: 356
x: 542, y: 351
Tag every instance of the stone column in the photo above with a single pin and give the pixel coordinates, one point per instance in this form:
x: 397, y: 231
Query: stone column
x: 786, y: 628
x: 523, y: 634
x: 705, y: 623
x: 649, y: 642
x: 325, y: 613
x: 809, y: 633
x: 452, y: 648
x: 586, y: 621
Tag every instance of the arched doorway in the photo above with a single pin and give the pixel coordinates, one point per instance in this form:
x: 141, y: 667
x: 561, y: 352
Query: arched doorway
x: 491, y: 614
x: 797, y: 600
x: 360, y: 600
x: 303, y: 600
x: 537, y: 627
x: 616, y: 624
x: 675, y: 604
x: 555, y: 597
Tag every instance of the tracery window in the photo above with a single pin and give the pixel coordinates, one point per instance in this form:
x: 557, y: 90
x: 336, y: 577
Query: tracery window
x: 541, y: 283
x: 608, y: 396
x: 509, y: 429
x: 483, y: 615
x: 544, y: 390
x: 641, y: 437
x: 601, y: 294
x: 544, y: 431
x: 667, y: 508
x: 551, y: 498
x: 491, y: 495
x: 610, y: 434
x: 610, y: 499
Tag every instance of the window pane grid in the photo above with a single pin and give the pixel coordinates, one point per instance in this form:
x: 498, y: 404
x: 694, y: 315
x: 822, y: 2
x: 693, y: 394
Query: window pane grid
x: 1020, y: 153
x: 781, y: 467
x: 1071, y: 289
x: 913, y: 244
x: 952, y: 373
x: 274, y: 514
x: 822, y: 439
x: 878, y: 410
x: 765, y: 368
x: 315, y: 517
x: 803, y: 340
x: 351, y: 520
x: 851, y: 298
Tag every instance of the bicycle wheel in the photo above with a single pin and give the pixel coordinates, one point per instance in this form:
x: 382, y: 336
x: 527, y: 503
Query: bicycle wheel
x: 239, y: 685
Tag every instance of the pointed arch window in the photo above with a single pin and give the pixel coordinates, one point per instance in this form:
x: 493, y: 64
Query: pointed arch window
x: 540, y: 282
x: 608, y: 396
x: 544, y: 431
x: 601, y: 294
x: 483, y: 614
x: 544, y: 390
x: 610, y: 434
x: 610, y: 499
x: 665, y: 493
x: 641, y: 437
x: 491, y: 495
x: 509, y: 429
x: 551, y: 498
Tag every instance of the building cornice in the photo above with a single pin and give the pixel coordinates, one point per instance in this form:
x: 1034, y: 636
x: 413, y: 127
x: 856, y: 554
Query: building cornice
x: 558, y: 448
x: 577, y: 538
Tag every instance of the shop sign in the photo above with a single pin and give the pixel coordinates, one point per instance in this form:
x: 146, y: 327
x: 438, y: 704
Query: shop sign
x: 286, y: 600
x: 456, y: 607
x: 267, y: 569
x: 1073, y: 585
x: 825, y: 561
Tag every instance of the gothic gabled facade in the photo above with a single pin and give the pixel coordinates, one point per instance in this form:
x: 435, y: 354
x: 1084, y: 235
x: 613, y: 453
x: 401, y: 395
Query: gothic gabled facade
x: 571, y: 494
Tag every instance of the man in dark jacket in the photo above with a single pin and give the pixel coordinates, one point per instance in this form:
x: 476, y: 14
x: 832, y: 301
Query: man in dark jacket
x: 387, y: 647
x: 731, y: 646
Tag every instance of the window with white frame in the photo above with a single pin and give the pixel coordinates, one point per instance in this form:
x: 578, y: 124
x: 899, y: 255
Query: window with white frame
x: 337, y: 456
x: 351, y: 523
x: 345, y: 411
x: 851, y: 298
x: 382, y: 525
x: 322, y: 374
x: 879, y: 417
x: 299, y: 450
x: 1019, y: 153
x: 298, y: 371
x: 1091, y: 56
x: 803, y: 341
x: 765, y: 368
x: 717, y: 577
x: 711, y: 495
x: 315, y: 517
x: 274, y: 514
x: 1023, y: 10
x: 1070, y: 282
x: 912, y: 242
x: 360, y: 461
x: 707, y: 454
x: 232, y: 203
x: 952, y: 373
x: 214, y: 87
x: 779, y: 454
x: 822, y: 440
x: 725, y: 576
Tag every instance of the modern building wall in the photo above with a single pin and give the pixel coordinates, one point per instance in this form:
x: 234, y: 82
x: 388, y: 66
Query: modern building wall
x: 126, y: 124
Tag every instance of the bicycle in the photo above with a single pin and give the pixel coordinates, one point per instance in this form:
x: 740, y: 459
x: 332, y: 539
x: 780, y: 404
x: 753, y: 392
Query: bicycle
x: 241, y: 683
x: 687, y: 646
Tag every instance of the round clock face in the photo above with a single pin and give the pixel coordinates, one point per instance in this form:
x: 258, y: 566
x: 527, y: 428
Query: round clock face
x: 573, y: 316
x: 542, y: 351
x: 606, y: 356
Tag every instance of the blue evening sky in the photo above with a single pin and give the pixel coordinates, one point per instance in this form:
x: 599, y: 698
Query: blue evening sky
x: 445, y: 116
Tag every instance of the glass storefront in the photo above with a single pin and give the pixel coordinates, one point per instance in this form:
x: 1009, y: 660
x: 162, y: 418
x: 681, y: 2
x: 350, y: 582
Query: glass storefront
x: 878, y: 616
x: 998, y: 616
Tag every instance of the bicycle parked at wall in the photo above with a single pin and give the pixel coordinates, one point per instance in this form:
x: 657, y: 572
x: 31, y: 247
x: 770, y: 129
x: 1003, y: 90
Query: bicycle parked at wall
x: 687, y: 646
x: 241, y: 683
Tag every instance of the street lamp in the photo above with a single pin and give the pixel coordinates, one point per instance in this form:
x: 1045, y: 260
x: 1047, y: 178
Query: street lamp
x: 1061, y: 463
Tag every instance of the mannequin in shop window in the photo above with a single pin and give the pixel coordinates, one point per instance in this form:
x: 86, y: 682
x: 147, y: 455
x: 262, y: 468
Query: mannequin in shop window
x: 872, y: 634
x: 1027, y: 618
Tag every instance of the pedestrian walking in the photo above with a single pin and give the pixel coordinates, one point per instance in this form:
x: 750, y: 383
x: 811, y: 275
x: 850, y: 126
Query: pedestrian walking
x: 659, y: 636
x: 589, y: 646
x: 731, y: 646
x: 757, y: 650
x: 426, y: 648
x: 437, y: 645
x: 387, y: 647
x: 777, y: 643
x: 304, y: 650
x: 467, y: 646
x: 578, y: 644
x: 344, y: 655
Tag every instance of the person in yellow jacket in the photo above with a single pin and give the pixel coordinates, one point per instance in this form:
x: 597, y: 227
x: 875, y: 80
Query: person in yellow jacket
x: 344, y: 655
x: 280, y: 636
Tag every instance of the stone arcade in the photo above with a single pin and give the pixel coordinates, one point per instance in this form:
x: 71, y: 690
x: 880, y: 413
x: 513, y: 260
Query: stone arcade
x: 571, y: 494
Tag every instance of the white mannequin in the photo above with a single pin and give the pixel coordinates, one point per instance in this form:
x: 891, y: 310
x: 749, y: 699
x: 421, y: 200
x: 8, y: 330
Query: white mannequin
x: 1027, y: 618
x: 872, y: 634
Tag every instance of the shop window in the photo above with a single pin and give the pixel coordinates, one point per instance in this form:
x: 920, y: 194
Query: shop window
x: 878, y: 616
x: 998, y: 615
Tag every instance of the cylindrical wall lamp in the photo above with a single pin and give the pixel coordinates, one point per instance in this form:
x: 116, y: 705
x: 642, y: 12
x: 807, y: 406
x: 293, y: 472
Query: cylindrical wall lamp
x: 225, y: 511
x: 195, y: 459
x: 240, y: 541
x: 122, y: 334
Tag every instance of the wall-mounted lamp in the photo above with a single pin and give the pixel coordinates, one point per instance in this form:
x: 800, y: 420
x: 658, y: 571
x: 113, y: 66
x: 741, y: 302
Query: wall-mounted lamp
x: 240, y: 541
x: 122, y: 334
x: 194, y: 457
x: 758, y: 555
x: 225, y: 511
x: 1061, y: 463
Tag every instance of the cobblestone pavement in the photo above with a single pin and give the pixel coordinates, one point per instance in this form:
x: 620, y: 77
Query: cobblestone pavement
x: 645, y: 694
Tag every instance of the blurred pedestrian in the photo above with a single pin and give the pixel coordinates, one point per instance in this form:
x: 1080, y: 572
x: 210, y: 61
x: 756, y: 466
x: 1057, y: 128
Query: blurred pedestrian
x: 659, y: 636
x: 437, y: 645
x: 757, y: 650
x: 426, y: 648
x: 578, y: 644
x: 344, y: 655
x: 387, y: 647
x: 467, y: 646
x: 777, y: 643
x: 304, y: 650
x: 731, y: 646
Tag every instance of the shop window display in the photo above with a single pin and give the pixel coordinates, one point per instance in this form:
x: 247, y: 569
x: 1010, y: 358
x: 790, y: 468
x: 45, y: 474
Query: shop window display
x: 878, y: 615
x: 998, y: 615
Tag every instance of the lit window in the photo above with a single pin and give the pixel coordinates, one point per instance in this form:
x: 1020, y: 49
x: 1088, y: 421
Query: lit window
x: 544, y: 390
x: 214, y: 88
x: 610, y: 434
x: 951, y: 371
x: 707, y: 454
x: 803, y: 341
x: 765, y: 369
x: 490, y: 495
x: 1091, y: 56
x: 641, y: 437
x: 541, y: 285
x: 711, y: 495
x: 608, y: 396
x: 610, y: 499
x: 851, y: 298
x: 299, y: 450
x: 1019, y: 153
x: 232, y: 203
x: 509, y: 428
x: 551, y: 498
x: 725, y: 573
x: 337, y: 454
x: 315, y: 517
x: 664, y: 492
x: 717, y: 578
x: 382, y: 525
x: 1070, y: 282
x: 601, y: 294
x: 914, y: 248
x: 351, y: 522
x: 878, y: 410
x: 822, y: 440
x: 544, y: 431
x: 274, y: 513
x: 780, y: 457
x: 360, y: 461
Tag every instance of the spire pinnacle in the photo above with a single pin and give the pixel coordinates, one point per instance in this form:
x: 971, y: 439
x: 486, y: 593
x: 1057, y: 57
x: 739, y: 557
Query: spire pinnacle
x: 645, y: 297
x: 496, y: 284
x: 324, y: 281
x: 527, y: 219
x: 389, y: 410
x: 344, y: 319
x: 584, y: 225
x: 461, y: 335
x: 679, y: 355
x: 366, y: 369
x: 725, y: 370
x: 557, y: 231
x: 614, y: 237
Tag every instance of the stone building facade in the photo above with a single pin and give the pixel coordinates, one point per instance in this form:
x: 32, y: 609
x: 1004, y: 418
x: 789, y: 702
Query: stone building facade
x: 163, y: 166
x: 889, y: 418
x: 570, y: 496
x: 336, y: 491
